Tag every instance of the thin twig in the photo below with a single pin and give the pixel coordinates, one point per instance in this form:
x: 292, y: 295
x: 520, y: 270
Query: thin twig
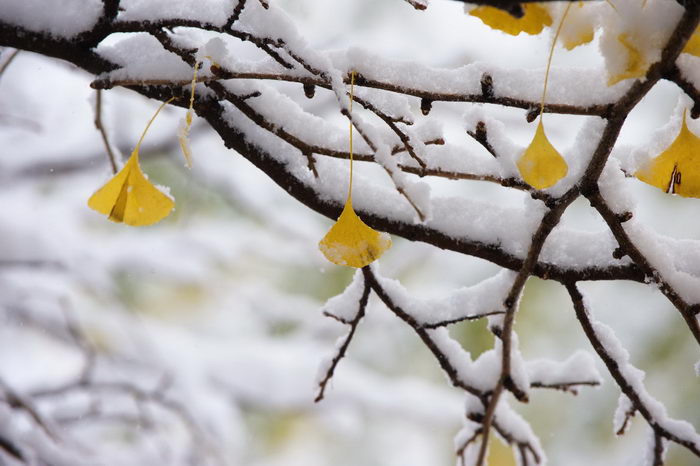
x: 238, y: 9
x: 340, y: 352
x: 601, y: 348
x: 653, y: 275
x: 9, y: 59
x: 103, y: 132
x: 675, y: 76
x: 424, y: 334
x: 480, y: 135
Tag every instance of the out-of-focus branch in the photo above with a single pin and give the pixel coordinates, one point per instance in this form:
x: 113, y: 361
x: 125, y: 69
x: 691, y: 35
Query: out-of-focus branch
x: 13, y: 450
x: 51, y: 412
x: 11, y: 56
x: 20, y: 402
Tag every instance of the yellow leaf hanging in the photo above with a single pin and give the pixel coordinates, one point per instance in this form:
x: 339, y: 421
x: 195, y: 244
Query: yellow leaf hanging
x: 541, y: 166
x: 677, y: 169
x: 636, y: 65
x: 693, y: 45
x: 533, y: 21
x: 129, y: 197
x: 350, y: 241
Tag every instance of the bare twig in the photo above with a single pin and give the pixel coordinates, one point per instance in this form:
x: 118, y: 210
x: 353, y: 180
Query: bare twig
x: 9, y: 447
x: 479, y: 134
x: 103, y: 132
x: 423, y: 333
x: 627, y: 387
x: 238, y: 9
x: 7, y: 61
x: 686, y: 310
x: 24, y: 403
x: 417, y: 4
x: 674, y: 75
x: 549, y: 221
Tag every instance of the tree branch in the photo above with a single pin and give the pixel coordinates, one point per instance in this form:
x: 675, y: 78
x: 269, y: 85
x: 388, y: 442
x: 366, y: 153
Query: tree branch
x: 639, y: 400
x: 340, y: 352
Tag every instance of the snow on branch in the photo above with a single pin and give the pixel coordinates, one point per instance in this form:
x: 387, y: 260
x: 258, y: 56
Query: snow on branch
x: 337, y: 308
x: 578, y: 370
x: 630, y: 380
x: 478, y: 301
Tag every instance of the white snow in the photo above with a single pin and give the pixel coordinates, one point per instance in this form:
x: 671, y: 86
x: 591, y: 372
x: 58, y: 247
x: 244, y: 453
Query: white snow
x: 635, y: 378
x: 578, y: 368
x: 207, y: 11
x: 484, y: 298
x: 482, y: 376
x: 67, y: 20
x: 662, y: 253
x: 345, y: 305
x: 646, y: 25
x: 624, y: 406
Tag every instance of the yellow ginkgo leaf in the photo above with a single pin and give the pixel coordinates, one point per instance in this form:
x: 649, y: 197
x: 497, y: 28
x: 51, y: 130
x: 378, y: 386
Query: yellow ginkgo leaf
x: 534, y: 19
x: 130, y: 198
x: 351, y: 242
x: 579, y: 29
x: 636, y: 66
x: 675, y: 170
x: 500, y: 454
x: 693, y: 45
x: 541, y: 166
x: 583, y: 36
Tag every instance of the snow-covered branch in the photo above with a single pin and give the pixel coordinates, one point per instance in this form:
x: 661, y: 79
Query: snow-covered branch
x: 630, y: 380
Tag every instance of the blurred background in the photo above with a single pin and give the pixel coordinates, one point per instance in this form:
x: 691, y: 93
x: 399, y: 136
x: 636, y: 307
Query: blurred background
x: 203, y: 334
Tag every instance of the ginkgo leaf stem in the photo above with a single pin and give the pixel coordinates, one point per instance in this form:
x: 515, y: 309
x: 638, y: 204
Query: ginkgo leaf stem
x: 549, y: 60
x: 352, y: 94
x: 103, y: 132
x: 194, y: 83
x: 184, y: 130
x: 143, y: 135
